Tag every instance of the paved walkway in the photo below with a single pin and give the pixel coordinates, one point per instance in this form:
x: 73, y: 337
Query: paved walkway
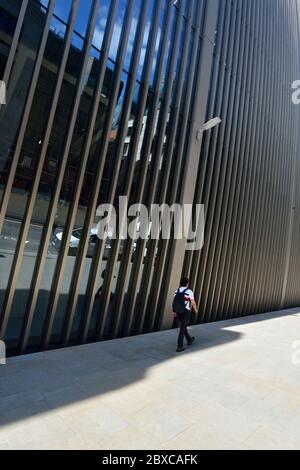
x: 237, y: 387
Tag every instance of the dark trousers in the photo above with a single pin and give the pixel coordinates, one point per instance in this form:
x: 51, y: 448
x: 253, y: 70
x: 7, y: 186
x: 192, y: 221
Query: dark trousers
x: 183, y: 319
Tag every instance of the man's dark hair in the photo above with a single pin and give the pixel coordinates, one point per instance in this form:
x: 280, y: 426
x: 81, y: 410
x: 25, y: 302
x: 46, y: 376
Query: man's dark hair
x: 184, y: 282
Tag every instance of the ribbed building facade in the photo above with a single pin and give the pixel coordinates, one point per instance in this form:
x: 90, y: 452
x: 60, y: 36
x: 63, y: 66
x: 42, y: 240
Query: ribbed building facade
x: 107, y: 98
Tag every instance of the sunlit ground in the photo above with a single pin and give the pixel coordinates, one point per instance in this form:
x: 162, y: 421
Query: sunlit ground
x: 237, y: 387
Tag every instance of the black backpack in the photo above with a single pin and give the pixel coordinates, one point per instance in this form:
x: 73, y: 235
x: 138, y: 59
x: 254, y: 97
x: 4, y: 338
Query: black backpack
x: 179, y: 301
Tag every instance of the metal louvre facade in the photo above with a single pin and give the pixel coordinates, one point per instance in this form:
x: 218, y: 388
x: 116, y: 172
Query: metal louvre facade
x: 104, y: 99
x: 248, y: 173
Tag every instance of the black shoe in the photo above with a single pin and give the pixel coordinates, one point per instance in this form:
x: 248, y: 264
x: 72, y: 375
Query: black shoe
x: 191, y: 341
x: 180, y: 350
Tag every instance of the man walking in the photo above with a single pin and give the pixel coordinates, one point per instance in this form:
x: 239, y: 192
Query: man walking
x: 183, y: 302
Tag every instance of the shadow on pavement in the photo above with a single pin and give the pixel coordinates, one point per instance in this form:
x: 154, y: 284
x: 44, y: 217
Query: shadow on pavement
x: 38, y: 383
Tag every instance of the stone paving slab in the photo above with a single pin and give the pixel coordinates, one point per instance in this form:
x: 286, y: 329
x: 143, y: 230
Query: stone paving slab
x: 236, y: 388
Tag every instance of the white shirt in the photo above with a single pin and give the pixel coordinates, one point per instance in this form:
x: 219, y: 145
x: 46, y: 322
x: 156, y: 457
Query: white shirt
x: 188, y: 296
